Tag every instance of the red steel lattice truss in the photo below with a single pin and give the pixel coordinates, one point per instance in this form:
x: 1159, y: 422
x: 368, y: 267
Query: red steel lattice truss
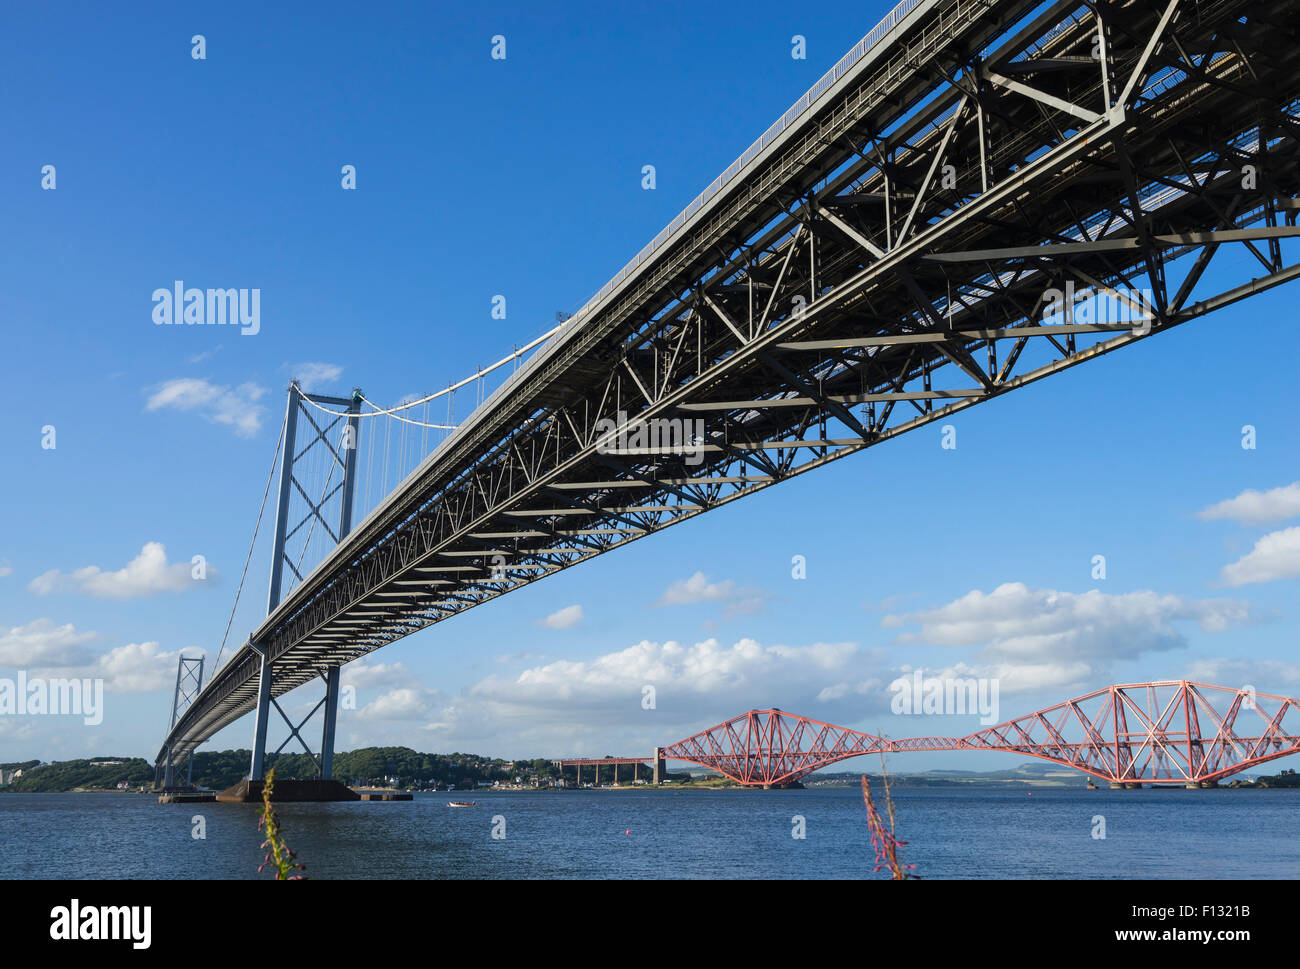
x: 1170, y: 732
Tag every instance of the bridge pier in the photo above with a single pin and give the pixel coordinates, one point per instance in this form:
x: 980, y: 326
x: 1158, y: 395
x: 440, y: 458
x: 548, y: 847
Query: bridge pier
x: 262, y: 713
x: 329, y: 706
x: 659, y: 767
x: 330, y: 716
x: 323, y: 788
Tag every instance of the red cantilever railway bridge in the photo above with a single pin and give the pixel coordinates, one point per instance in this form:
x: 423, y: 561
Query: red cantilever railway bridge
x: 1169, y: 732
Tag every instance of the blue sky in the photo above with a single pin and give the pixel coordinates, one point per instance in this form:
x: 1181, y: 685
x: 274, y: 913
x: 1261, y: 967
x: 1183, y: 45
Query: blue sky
x: 521, y: 177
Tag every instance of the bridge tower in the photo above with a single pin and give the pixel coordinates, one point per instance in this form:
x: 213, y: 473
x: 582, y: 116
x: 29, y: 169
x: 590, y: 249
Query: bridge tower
x: 189, y: 682
x: 342, y: 457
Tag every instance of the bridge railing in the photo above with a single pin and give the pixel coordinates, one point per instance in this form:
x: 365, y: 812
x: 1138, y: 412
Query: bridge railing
x: 792, y: 114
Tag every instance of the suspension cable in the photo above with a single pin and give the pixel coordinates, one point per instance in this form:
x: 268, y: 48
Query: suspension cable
x: 269, y: 478
x: 451, y: 388
x: 404, y: 420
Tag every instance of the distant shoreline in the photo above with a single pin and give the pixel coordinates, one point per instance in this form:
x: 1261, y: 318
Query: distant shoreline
x: 686, y: 788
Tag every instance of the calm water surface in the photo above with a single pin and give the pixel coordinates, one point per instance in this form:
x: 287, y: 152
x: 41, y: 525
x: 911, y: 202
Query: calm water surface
x: 978, y: 833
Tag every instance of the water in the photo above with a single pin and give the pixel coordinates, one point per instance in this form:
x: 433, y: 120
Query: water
x: 975, y: 833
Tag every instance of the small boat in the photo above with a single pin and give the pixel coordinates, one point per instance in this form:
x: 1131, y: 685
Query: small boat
x: 462, y: 804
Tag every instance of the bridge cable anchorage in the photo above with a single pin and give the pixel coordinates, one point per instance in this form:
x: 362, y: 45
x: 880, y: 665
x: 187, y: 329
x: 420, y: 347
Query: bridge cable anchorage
x: 249, y: 557
x: 452, y: 388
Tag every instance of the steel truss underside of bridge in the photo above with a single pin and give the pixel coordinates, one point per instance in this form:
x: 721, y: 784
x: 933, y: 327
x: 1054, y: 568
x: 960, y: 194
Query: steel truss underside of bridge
x: 882, y: 266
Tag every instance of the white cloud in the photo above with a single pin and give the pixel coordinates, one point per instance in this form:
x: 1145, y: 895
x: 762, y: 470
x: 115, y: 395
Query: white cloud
x: 146, y: 574
x: 1021, y: 625
x: 700, y: 679
x: 1265, y: 675
x: 366, y: 675
x: 1253, y: 507
x: 565, y: 618
x: 582, y: 705
x: 45, y: 649
x: 698, y: 588
x: 403, y: 703
x: 20, y: 732
x: 136, y: 668
x: 1060, y: 679
x: 839, y: 691
x: 1036, y: 643
x: 200, y: 357
x: 313, y: 375
x: 1275, y: 556
x: 1032, y: 641
x: 5, y: 570
x: 235, y: 407
x: 42, y: 643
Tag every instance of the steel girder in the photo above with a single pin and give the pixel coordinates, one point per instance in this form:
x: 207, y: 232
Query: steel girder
x: 893, y: 247
x: 769, y: 748
x: 1173, y: 732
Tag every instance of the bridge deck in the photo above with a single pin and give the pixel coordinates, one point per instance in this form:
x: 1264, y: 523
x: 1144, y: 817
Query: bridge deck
x: 839, y: 287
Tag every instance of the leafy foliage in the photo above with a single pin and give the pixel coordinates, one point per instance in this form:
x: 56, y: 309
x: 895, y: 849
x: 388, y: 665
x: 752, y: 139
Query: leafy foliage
x: 278, y: 854
x: 222, y: 768
x: 371, y: 765
x: 71, y: 775
x: 883, y: 839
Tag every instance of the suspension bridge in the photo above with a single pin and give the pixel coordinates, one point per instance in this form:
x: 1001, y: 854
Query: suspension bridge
x: 979, y: 195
